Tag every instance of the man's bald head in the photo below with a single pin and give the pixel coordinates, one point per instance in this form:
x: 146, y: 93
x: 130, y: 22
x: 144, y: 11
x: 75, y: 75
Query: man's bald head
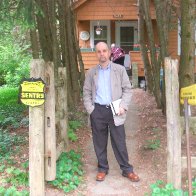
x: 103, y: 53
x: 101, y: 45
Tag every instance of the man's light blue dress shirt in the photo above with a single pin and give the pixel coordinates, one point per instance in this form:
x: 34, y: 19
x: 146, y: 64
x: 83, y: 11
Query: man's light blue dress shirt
x: 103, y: 91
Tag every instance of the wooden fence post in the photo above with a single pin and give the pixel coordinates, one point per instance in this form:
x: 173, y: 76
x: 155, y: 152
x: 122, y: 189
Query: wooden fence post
x: 50, y: 131
x: 173, y: 123
x: 134, y: 75
x: 36, y: 138
x: 61, y: 110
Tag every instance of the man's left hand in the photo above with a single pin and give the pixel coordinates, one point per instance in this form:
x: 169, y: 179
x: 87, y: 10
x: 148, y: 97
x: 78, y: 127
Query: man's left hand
x: 121, y: 111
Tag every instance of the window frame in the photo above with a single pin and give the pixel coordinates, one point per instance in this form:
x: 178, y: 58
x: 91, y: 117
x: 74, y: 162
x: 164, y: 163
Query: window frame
x: 133, y: 24
x: 93, y: 23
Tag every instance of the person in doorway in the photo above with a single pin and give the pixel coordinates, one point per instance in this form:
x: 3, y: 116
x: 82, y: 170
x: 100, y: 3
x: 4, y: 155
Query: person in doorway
x: 117, y: 55
x: 103, y: 84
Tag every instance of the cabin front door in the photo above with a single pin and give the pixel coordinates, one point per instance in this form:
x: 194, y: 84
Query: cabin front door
x: 126, y: 34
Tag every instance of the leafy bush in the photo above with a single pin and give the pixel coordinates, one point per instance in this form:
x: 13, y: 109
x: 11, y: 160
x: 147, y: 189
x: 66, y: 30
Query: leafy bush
x: 69, y: 171
x: 72, y: 127
x: 12, y: 191
x: 14, y: 55
x: 162, y: 189
x: 17, y: 177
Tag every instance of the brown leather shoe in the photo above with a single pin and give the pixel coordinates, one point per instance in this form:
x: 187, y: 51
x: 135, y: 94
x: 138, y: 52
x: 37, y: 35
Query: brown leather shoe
x: 132, y: 176
x: 101, y: 176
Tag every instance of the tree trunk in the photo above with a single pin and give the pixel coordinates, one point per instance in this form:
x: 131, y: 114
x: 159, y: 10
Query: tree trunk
x: 187, y: 57
x: 72, y: 68
x: 62, y: 32
x: 45, y: 35
x: 34, y: 44
x: 147, y: 65
x: 78, y: 52
x: 163, y: 16
x: 55, y: 40
x: 154, y: 63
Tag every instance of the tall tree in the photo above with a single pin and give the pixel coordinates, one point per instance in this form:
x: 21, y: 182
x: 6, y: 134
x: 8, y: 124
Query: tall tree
x: 144, y: 50
x: 163, y: 17
x: 153, y: 55
x: 187, y: 57
x: 72, y: 67
x: 53, y: 37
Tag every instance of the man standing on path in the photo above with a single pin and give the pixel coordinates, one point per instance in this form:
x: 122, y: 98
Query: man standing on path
x: 105, y: 83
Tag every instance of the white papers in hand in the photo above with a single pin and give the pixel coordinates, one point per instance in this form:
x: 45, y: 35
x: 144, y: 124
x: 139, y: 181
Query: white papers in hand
x: 115, y: 106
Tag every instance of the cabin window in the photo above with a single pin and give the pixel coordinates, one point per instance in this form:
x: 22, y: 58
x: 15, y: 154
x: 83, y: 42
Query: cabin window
x: 126, y: 34
x: 104, y: 35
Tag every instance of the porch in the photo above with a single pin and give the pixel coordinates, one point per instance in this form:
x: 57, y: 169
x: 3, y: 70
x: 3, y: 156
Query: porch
x: 123, y: 33
x: 89, y: 59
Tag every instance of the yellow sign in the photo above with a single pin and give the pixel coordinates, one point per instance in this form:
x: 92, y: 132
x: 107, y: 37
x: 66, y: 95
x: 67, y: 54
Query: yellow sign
x: 189, y: 93
x: 32, y: 92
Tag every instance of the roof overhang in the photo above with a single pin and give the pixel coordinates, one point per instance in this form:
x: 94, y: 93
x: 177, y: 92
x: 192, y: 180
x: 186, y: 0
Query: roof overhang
x: 78, y: 3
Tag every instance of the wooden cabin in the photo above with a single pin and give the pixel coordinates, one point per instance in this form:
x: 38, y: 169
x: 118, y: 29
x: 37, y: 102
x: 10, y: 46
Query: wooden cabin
x: 118, y: 21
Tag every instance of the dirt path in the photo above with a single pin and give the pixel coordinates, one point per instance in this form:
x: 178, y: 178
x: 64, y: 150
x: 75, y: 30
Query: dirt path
x: 114, y: 183
x: 142, y: 118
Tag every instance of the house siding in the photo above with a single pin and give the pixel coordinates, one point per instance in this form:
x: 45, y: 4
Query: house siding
x: 105, y: 10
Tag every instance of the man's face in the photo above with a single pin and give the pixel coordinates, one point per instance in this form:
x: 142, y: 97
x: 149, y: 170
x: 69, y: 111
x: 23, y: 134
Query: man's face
x: 102, y: 52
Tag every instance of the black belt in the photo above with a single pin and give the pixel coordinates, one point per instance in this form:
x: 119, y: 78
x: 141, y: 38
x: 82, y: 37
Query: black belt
x: 105, y: 106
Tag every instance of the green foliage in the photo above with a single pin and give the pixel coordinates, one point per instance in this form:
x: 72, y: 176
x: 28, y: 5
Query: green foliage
x: 8, y: 96
x: 162, y: 189
x: 72, y: 136
x: 12, y: 191
x: 11, y: 114
x: 14, y: 53
x: 69, y: 171
x: 73, y: 126
x: 17, y: 177
x: 152, y: 144
x: 7, y: 141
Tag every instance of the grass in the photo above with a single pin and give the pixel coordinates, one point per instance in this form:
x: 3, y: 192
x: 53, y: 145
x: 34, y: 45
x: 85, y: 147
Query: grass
x: 8, y: 96
x: 11, y: 113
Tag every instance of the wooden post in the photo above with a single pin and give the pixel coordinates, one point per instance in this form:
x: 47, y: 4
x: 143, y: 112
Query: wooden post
x: 134, y: 75
x: 188, y: 146
x: 50, y: 131
x: 61, y: 108
x: 173, y: 123
x: 36, y: 138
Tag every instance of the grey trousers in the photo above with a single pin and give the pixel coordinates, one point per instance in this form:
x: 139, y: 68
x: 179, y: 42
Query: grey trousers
x: 102, y: 123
